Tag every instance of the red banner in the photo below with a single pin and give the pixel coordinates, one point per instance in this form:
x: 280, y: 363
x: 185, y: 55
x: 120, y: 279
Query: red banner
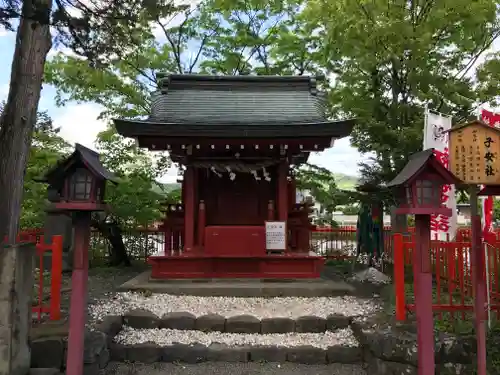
x: 491, y: 118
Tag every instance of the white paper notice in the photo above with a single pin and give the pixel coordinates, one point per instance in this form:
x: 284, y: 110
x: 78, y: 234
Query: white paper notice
x: 275, y: 235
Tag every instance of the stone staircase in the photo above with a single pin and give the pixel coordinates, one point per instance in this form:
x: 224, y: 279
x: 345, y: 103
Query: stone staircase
x: 141, y: 336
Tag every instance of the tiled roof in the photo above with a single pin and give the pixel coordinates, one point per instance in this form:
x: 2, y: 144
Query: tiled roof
x: 81, y: 153
x: 233, y: 100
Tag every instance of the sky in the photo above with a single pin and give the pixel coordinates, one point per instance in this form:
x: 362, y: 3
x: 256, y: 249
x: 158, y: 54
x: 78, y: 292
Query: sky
x: 79, y: 123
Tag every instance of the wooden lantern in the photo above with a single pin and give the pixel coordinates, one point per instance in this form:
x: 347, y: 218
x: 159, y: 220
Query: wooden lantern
x: 418, y: 187
x: 78, y: 182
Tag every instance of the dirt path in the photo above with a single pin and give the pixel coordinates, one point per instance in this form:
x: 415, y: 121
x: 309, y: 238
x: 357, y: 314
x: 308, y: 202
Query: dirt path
x: 224, y: 368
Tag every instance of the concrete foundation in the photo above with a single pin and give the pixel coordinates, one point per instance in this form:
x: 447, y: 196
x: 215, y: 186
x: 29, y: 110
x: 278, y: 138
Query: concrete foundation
x: 239, y: 287
x: 16, y: 292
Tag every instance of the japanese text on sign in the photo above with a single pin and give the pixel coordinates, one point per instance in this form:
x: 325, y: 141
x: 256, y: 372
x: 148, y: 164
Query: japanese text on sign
x: 489, y: 157
x: 474, y: 154
x: 275, y: 235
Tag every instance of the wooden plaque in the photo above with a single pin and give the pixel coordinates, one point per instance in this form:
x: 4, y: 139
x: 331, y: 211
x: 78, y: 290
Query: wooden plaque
x: 474, y: 153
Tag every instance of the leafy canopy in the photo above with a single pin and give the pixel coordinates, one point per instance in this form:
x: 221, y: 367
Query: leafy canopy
x: 216, y: 37
x: 390, y: 58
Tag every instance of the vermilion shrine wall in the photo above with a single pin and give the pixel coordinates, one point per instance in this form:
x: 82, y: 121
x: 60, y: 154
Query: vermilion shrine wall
x: 242, y: 201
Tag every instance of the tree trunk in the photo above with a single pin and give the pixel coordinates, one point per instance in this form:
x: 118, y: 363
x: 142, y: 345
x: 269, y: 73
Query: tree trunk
x: 113, y: 233
x: 33, y: 43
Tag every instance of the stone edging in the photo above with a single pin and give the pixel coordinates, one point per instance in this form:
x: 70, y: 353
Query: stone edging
x: 143, y: 319
x: 151, y: 352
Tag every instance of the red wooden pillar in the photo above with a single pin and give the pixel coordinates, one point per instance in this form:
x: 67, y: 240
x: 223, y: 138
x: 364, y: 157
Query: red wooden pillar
x: 168, y: 239
x: 201, y: 223
x: 270, y: 211
x: 423, y: 295
x: 479, y: 283
x: 189, y: 208
x: 282, y: 191
x: 292, y: 192
x: 77, y: 316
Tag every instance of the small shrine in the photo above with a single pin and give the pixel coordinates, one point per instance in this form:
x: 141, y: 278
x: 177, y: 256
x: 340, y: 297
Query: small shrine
x: 236, y: 140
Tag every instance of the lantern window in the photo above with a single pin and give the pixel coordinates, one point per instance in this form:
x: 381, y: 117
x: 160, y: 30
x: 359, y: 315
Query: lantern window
x: 81, y: 185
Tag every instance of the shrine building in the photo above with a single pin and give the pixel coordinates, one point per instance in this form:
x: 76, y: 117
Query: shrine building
x: 237, y: 140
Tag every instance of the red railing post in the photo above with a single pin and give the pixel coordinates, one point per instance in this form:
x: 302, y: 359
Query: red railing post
x: 55, y: 288
x: 270, y: 210
x: 451, y: 252
x: 399, y: 277
x: 39, y: 253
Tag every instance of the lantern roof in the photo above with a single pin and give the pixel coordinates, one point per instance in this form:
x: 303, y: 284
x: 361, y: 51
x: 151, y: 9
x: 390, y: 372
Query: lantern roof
x: 244, y: 106
x: 83, y: 155
x: 419, y: 162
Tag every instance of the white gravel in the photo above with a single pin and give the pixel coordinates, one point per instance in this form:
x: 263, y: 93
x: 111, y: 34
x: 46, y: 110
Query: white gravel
x: 290, y: 307
x: 168, y: 336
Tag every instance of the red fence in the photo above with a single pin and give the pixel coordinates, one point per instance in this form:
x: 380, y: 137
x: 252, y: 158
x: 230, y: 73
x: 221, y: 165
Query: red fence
x: 452, y: 271
x: 47, y: 299
x: 452, y: 276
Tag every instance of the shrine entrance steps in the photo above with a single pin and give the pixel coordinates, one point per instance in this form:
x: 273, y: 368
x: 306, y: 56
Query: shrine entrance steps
x: 239, y: 287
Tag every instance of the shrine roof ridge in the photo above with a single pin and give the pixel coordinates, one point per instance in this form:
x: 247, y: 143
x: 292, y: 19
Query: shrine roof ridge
x: 474, y: 122
x: 201, y: 81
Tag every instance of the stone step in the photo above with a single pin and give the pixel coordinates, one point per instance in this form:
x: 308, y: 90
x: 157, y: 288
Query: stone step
x: 291, y: 307
x: 239, y: 287
x: 143, y: 319
x: 154, y: 344
x: 196, y: 353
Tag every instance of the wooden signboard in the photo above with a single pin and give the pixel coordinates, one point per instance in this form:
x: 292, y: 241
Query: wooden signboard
x: 276, y: 235
x: 474, y: 155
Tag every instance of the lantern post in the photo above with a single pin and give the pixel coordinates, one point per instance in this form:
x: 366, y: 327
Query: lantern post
x: 77, y: 186
x: 418, y: 190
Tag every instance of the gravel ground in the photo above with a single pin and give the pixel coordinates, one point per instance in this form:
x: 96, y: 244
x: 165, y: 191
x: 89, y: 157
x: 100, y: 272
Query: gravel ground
x: 102, y: 283
x: 291, y: 307
x: 220, y: 368
x: 169, y: 336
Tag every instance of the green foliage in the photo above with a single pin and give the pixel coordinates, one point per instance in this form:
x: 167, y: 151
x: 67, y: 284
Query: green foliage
x: 134, y: 200
x: 488, y: 77
x: 389, y: 58
x: 217, y: 37
x: 47, y: 147
x: 350, y: 209
x: 320, y: 183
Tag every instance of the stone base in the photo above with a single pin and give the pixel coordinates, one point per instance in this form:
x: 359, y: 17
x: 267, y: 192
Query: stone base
x: 143, y: 319
x: 196, y: 353
x: 239, y: 287
x: 390, y: 348
x: 50, y: 353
